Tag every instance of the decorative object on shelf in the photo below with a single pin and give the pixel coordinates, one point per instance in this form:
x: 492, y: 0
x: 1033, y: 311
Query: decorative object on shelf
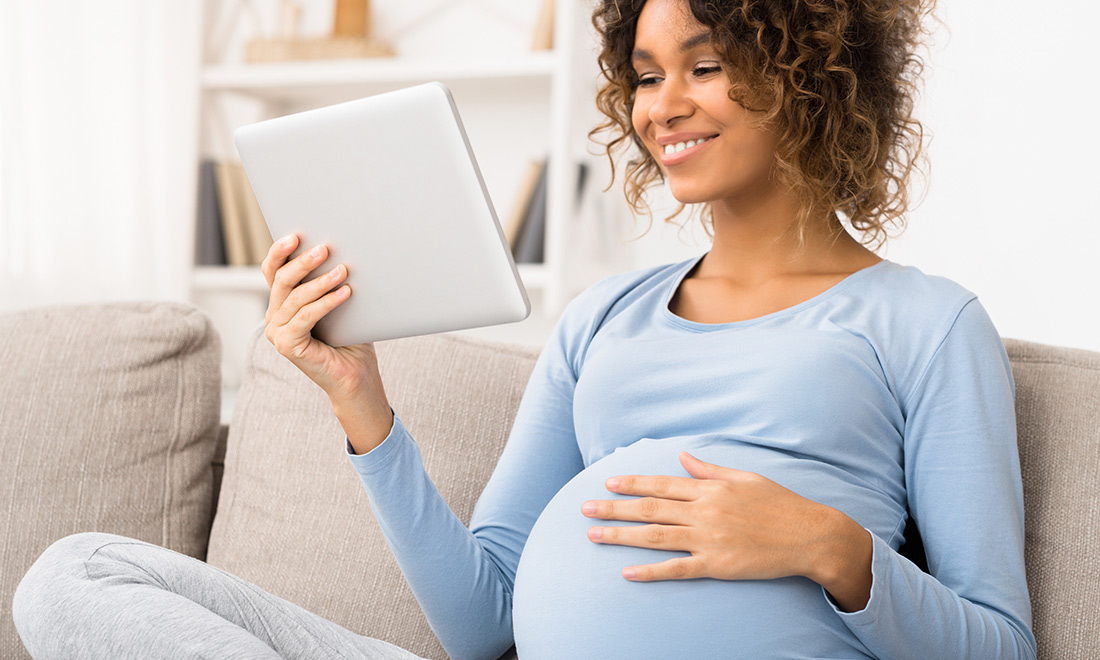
x: 350, y: 37
x: 544, y: 27
x: 352, y: 19
x: 438, y: 11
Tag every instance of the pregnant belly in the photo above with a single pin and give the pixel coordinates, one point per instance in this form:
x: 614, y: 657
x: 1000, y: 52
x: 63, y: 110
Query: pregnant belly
x: 571, y: 600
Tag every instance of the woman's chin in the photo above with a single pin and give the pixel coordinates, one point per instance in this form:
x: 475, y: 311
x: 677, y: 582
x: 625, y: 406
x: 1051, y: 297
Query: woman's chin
x: 686, y: 193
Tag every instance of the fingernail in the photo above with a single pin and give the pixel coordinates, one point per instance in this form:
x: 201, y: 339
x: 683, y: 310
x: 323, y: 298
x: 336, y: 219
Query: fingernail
x: 612, y: 483
x: 595, y: 533
x: 630, y: 573
x: 316, y: 252
x: 334, y: 273
x: 285, y: 241
x: 588, y: 508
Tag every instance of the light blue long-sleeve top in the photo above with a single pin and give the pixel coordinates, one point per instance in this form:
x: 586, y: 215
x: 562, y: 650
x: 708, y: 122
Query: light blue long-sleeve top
x: 887, y: 396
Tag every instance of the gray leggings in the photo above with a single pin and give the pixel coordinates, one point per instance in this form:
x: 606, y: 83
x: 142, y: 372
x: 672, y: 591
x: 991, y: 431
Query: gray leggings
x: 104, y: 596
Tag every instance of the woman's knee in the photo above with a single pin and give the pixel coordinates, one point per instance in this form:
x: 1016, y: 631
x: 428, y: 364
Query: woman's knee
x: 47, y: 586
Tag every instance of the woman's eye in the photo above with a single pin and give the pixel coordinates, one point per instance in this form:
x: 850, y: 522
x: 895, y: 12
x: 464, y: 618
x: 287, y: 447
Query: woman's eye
x: 646, y: 81
x: 706, y: 70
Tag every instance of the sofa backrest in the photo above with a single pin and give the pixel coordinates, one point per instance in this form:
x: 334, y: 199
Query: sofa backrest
x: 1058, y: 424
x: 293, y: 517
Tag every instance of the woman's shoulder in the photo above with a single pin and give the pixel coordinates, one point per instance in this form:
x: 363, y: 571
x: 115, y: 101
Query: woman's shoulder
x: 616, y: 291
x: 906, y: 302
x: 596, y: 305
x: 911, y: 291
x: 908, y: 315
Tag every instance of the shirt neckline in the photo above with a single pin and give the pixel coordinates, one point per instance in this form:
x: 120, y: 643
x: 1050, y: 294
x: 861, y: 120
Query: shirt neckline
x: 696, y: 326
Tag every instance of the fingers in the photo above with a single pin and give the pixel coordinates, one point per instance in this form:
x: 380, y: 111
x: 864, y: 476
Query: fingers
x: 658, y: 537
x: 676, y: 488
x: 663, y: 486
x: 645, y: 509
x: 703, y: 470
x: 277, y: 256
x: 291, y: 337
x: 307, y: 294
x: 679, y: 568
x: 288, y: 276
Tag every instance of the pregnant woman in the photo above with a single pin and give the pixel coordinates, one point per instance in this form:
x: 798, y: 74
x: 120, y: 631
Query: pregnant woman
x: 713, y: 459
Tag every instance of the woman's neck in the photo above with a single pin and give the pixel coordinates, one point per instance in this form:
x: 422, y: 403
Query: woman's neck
x: 757, y: 242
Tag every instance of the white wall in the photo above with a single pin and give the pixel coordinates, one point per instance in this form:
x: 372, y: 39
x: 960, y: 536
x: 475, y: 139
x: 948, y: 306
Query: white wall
x: 97, y: 179
x: 1010, y: 209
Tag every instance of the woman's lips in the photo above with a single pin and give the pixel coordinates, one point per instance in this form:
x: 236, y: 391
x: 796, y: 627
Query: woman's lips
x: 679, y: 154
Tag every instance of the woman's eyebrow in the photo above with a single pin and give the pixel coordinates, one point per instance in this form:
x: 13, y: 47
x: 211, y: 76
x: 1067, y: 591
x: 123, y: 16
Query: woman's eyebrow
x: 693, y: 41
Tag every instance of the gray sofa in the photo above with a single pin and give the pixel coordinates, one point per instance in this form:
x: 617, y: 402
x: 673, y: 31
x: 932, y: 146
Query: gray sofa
x: 109, y: 421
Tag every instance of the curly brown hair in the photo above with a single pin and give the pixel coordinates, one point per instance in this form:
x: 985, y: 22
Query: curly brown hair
x: 836, y: 78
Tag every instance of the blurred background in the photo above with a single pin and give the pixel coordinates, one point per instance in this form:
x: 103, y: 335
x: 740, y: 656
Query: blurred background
x: 118, y: 177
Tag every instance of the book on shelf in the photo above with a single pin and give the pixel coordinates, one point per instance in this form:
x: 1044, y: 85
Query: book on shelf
x: 209, y: 240
x: 513, y: 223
x: 526, y: 227
x: 530, y: 237
x: 231, y: 227
x: 259, y: 236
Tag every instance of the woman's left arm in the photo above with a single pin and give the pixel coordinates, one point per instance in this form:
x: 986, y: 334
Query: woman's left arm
x: 963, y: 482
x: 962, y: 473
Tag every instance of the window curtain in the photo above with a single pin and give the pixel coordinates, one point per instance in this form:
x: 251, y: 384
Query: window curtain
x: 98, y: 140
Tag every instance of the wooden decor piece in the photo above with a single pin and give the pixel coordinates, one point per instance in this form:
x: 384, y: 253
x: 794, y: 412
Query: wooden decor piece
x: 544, y: 27
x: 352, y: 19
x: 322, y: 48
x: 350, y: 30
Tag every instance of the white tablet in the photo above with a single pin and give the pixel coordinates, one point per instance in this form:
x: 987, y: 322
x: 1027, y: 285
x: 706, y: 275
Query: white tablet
x: 390, y: 184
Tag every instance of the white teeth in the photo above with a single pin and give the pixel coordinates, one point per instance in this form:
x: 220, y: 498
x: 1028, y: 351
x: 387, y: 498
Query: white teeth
x: 680, y: 146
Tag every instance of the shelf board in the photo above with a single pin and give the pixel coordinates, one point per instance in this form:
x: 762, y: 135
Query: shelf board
x: 229, y: 278
x: 534, y: 276
x: 288, y: 80
x: 249, y: 279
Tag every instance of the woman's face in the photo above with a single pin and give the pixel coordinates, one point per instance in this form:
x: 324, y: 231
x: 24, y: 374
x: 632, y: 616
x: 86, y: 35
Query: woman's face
x: 684, y: 116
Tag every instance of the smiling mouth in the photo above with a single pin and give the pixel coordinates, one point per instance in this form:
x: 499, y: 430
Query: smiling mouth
x: 680, y: 146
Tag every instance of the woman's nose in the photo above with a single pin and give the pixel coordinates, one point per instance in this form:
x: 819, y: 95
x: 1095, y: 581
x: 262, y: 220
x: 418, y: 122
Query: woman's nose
x: 673, y: 102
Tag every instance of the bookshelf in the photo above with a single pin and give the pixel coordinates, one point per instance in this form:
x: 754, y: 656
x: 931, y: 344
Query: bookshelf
x: 305, y: 81
x: 518, y: 105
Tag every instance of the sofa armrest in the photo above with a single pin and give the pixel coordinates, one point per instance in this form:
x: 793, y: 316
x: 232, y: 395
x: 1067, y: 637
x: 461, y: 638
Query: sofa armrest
x: 108, y: 420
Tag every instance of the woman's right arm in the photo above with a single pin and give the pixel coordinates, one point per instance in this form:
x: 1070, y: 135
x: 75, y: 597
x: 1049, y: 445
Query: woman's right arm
x: 348, y: 374
x: 461, y: 576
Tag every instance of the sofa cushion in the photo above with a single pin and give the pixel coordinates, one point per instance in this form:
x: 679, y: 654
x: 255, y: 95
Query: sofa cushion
x: 1058, y: 422
x: 292, y: 516
x: 108, y: 422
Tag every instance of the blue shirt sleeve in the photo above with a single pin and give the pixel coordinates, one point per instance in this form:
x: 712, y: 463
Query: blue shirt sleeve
x: 463, y: 577
x: 962, y: 476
